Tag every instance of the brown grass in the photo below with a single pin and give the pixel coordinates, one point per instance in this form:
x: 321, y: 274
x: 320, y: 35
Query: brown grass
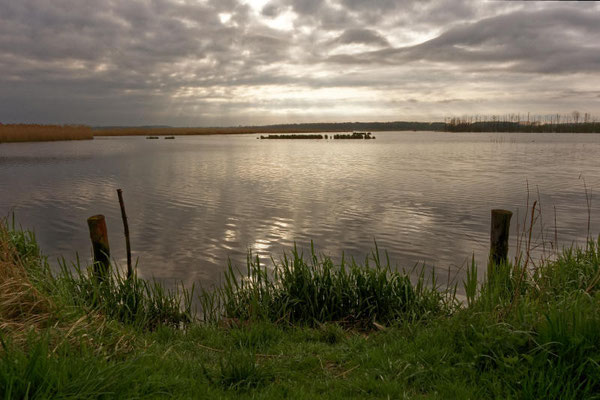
x: 42, y: 133
x: 22, y: 306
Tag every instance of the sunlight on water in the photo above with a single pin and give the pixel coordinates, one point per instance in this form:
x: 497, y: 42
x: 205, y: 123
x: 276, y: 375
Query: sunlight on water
x: 194, y: 202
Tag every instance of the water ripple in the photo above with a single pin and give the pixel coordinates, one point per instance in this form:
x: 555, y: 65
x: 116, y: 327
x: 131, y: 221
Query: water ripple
x: 197, y: 201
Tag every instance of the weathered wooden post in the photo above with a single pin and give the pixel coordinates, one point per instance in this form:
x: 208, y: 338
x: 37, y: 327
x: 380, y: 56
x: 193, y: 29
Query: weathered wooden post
x: 126, y: 229
x: 99, y: 237
x: 499, y: 236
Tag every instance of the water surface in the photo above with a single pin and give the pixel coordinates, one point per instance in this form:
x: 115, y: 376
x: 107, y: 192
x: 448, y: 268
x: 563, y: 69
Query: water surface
x: 194, y: 202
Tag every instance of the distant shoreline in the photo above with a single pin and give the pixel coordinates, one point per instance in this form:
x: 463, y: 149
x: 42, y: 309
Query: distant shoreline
x: 33, y: 133
x: 280, y: 128
x: 454, y: 125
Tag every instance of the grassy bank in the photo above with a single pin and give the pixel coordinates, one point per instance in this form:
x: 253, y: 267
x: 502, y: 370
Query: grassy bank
x: 309, y: 329
x: 43, y: 133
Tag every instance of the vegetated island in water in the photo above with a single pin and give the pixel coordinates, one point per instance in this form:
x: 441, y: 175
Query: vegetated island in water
x: 316, y: 327
x: 354, y: 135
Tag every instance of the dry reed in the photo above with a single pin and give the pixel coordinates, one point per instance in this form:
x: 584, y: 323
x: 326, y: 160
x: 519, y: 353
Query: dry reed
x: 22, y: 306
x: 42, y: 133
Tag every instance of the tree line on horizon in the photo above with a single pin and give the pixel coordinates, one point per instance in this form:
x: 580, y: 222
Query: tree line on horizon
x: 574, y: 122
x: 567, y: 123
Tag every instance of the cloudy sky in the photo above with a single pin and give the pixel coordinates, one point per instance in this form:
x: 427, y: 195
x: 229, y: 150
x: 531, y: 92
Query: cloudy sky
x: 238, y: 62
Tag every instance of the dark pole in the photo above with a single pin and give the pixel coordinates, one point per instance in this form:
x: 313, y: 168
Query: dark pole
x: 99, y: 237
x: 126, y: 228
x: 499, y: 236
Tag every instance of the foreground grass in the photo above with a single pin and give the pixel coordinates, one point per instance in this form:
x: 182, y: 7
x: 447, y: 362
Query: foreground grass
x: 312, y: 331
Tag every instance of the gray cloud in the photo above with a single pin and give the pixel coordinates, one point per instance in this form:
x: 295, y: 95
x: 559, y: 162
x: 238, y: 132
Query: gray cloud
x: 362, y: 36
x: 228, y: 62
x: 547, y: 41
x: 271, y: 10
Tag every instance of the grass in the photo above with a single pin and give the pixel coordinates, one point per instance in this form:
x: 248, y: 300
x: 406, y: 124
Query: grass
x: 308, y: 329
x: 134, y: 301
x: 314, y: 291
x: 42, y: 133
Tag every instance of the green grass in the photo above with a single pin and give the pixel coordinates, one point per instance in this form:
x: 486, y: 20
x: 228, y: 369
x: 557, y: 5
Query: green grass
x: 314, y: 291
x: 306, y: 330
x: 145, y: 304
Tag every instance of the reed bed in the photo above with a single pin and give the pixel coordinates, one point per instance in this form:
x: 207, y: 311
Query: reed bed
x: 355, y: 135
x: 41, y: 133
x: 292, y: 136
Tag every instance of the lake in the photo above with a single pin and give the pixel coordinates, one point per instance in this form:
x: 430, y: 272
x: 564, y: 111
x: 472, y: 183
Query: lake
x: 195, y: 202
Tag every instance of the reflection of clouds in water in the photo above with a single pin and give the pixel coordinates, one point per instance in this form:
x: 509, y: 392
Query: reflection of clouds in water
x: 196, y: 201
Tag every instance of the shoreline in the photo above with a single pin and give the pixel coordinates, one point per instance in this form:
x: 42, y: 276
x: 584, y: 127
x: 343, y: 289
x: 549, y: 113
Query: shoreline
x: 519, y: 334
x: 13, y: 133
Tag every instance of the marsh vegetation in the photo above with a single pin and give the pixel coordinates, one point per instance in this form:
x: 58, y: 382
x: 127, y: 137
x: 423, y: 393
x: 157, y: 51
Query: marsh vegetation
x: 292, y: 136
x: 312, y: 328
x: 355, y: 135
x: 42, y: 133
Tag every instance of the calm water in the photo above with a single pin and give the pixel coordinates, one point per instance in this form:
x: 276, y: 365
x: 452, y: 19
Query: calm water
x: 195, y: 201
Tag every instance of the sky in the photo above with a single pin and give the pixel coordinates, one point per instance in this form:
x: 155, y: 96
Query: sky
x: 253, y: 62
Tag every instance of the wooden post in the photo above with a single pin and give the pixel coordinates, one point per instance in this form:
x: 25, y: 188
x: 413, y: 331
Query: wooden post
x: 126, y: 229
x: 99, y: 237
x: 499, y: 236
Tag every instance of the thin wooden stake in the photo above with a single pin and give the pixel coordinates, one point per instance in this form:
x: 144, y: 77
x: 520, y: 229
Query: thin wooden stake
x: 499, y: 236
x: 126, y: 229
x: 99, y: 237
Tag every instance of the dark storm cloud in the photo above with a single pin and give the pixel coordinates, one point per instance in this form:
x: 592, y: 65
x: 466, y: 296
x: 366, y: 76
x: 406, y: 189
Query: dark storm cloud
x: 307, y: 7
x: 271, y: 10
x: 207, y: 62
x: 362, y: 36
